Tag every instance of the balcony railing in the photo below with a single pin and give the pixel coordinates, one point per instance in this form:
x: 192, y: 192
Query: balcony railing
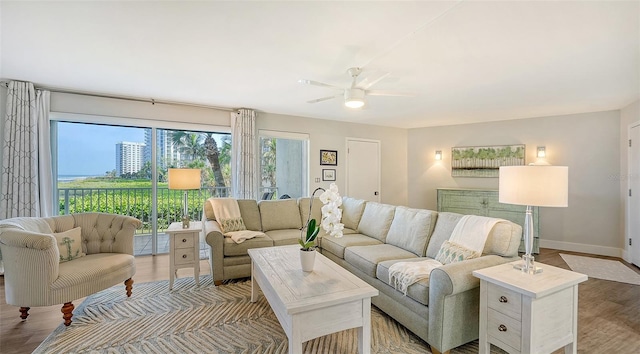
x: 137, y: 202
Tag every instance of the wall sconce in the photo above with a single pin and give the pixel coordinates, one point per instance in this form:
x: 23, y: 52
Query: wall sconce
x: 438, y: 155
x: 541, y: 152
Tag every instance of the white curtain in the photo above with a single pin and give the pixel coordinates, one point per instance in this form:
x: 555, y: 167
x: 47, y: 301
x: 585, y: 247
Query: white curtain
x: 243, y: 139
x: 26, y: 178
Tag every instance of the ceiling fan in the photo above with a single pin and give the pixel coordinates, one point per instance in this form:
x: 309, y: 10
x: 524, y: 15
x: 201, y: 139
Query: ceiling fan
x: 354, y: 95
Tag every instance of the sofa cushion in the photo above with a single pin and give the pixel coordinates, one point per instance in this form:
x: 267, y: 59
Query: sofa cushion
x: 337, y: 245
x: 504, y: 239
x: 280, y: 214
x: 69, y: 244
x: 352, y: 210
x: 418, y: 291
x: 444, y: 227
x: 240, y: 249
x: 411, y: 229
x: 248, y: 210
x: 376, y: 220
x: 366, y: 258
x: 284, y: 237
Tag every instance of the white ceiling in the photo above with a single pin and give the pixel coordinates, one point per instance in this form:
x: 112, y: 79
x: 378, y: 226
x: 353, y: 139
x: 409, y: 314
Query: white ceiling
x: 468, y: 61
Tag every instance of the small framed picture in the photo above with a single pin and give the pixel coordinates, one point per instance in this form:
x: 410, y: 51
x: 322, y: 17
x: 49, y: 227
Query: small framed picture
x: 329, y: 175
x: 329, y: 157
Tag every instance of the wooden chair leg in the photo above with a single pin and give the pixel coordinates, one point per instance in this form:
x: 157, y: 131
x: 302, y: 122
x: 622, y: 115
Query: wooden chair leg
x: 217, y: 282
x: 67, y: 312
x: 436, y: 351
x: 24, y: 312
x: 128, y: 285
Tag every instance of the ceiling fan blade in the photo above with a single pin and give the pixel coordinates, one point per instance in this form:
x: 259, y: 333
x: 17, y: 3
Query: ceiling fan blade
x: 368, y: 81
x: 390, y: 93
x: 316, y: 83
x: 324, y: 98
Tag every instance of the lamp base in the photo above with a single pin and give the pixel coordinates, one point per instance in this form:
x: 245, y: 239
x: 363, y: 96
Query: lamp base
x: 185, y: 222
x: 527, y: 265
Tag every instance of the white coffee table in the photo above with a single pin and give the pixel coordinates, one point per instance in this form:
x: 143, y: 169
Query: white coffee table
x: 310, y: 305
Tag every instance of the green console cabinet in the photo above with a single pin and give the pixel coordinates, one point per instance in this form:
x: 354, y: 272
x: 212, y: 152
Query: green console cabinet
x: 485, y: 203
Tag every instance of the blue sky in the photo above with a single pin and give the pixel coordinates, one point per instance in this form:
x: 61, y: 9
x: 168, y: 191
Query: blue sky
x: 88, y: 149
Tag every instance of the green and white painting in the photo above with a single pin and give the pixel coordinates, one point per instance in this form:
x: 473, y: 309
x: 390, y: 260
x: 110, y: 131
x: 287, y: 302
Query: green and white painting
x: 484, y: 161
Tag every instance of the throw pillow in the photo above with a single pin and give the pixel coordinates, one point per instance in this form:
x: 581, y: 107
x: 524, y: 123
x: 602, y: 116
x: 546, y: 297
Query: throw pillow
x: 451, y: 252
x: 231, y: 225
x: 70, y: 244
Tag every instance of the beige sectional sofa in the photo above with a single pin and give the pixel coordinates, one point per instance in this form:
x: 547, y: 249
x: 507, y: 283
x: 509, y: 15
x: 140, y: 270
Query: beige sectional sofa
x: 442, y: 310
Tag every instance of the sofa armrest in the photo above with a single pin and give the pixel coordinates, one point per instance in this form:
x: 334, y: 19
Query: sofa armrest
x: 454, y: 301
x: 215, y: 239
x: 31, y: 262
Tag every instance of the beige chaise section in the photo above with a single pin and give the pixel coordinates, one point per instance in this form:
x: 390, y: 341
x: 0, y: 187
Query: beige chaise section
x: 34, y: 276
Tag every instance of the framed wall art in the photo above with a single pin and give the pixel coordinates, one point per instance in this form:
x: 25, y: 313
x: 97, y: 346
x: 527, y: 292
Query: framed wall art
x: 485, y: 161
x: 329, y: 157
x: 329, y: 175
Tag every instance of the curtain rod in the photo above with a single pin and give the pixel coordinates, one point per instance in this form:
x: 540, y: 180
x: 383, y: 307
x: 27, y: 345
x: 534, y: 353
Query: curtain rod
x: 127, y: 98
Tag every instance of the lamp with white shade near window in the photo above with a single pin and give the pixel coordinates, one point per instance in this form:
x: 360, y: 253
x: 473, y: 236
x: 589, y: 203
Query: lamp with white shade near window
x: 184, y: 179
x: 533, y: 185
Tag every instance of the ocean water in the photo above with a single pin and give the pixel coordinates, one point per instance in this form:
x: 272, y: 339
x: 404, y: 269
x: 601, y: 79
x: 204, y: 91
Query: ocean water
x: 69, y: 178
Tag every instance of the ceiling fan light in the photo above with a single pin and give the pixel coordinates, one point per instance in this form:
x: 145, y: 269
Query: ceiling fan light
x: 354, y: 98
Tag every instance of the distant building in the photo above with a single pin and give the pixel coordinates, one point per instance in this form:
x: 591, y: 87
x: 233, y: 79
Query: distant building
x: 166, y: 153
x: 129, y: 157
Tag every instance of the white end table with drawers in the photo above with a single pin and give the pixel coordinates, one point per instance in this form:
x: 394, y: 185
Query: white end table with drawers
x: 528, y: 313
x: 184, y: 249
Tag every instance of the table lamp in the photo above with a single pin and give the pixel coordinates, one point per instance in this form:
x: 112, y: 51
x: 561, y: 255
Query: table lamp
x: 184, y: 179
x: 533, y: 185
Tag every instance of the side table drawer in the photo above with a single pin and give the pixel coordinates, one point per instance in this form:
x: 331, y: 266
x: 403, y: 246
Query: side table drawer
x: 184, y: 256
x: 183, y: 241
x: 504, y: 328
x: 505, y: 301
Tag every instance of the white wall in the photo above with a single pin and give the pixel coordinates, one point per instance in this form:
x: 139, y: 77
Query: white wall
x: 628, y: 115
x: 587, y: 143
x: 331, y: 135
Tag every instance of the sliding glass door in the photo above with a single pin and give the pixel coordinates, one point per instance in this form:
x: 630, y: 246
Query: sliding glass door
x: 283, y: 164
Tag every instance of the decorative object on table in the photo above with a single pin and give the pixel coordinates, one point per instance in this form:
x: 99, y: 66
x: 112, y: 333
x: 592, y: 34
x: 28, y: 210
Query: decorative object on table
x: 329, y: 157
x: 533, y: 185
x: 329, y: 175
x: 484, y: 161
x: 184, y: 179
x: 331, y: 215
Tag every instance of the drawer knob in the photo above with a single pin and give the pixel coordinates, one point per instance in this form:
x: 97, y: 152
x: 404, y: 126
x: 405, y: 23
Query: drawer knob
x: 184, y: 240
x: 184, y: 256
x: 502, y: 328
x: 503, y: 299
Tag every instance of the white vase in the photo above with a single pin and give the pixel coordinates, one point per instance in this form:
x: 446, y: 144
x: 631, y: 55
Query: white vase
x: 307, y: 258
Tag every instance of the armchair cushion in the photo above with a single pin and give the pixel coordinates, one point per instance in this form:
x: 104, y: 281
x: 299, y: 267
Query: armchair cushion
x: 69, y: 244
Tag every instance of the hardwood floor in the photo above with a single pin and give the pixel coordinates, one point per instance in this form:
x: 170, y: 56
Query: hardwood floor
x: 608, y: 318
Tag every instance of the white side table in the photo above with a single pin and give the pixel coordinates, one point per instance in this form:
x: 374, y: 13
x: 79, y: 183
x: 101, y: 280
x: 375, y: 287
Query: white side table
x: 184, y: 248
x: 528, y: 313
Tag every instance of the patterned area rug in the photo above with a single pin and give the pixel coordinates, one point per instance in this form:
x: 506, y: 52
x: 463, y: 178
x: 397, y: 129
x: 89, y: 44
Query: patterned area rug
x: 205, y: 319
x: 602, y: 268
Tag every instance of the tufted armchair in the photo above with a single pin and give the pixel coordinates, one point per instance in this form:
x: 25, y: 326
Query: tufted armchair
x: 34, y: 275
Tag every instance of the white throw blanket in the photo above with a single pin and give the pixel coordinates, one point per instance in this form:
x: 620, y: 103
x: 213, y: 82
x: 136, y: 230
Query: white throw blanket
x: 28, y: 224
x: 228, y: 215
x: 471, y: 231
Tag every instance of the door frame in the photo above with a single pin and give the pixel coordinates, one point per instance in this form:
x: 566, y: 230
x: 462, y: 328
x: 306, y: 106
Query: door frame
x: 629, y: 249
x: 349, y: 139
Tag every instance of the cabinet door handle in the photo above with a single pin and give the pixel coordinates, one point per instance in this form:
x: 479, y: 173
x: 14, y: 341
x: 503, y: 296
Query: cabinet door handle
x: 184, y: 256
x: 502, y: 328
x: 503, y: 299
x: 184, y: 240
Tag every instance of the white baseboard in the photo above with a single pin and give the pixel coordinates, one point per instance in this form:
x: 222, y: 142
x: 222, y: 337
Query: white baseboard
x: 581, y: 247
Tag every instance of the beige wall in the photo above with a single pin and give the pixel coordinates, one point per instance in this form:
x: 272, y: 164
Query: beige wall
x: 587, y: 143
x: 629, y: 115
x: 331, y: 135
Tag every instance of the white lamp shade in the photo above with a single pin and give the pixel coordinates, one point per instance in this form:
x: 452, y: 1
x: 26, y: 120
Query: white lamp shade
x: 184, y: 178
x: 545, y: 186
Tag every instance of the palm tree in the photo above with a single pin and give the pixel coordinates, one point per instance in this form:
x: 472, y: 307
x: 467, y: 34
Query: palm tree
x: 213, y: 156
x: 200, y: 146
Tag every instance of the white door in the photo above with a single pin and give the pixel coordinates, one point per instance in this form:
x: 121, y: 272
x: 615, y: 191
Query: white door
x: 634, y: 199
x: 363, y: 169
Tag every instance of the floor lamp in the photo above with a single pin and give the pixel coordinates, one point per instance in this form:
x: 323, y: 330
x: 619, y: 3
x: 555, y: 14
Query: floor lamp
x: 184, y: 179
x: 533, y: 185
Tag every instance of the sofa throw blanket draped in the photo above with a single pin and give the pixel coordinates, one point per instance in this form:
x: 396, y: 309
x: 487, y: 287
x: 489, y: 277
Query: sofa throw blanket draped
x: 27, y: 224
x: 228, y: 215
x: 471, y: 232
